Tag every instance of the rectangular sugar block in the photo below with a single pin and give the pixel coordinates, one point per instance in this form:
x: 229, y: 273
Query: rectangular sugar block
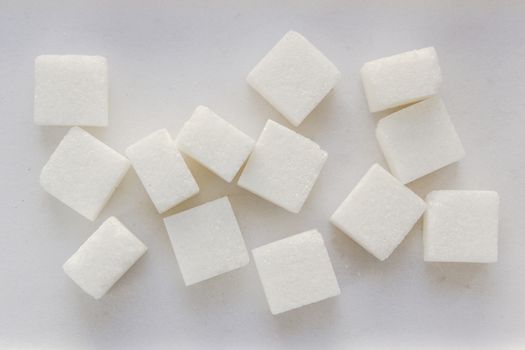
x: 418, y: 140
x: 83, y: 173
x: 71, y: 90
x: 461, y: 226
x: 294, y: 77
x: 401, y: 79
x: 104, y: 257
x: 379, y: 212
x: 207, y: 241
x: 162, y: 170
x: 295, y: 271
x: 283, y: 167
x: 214, y: 143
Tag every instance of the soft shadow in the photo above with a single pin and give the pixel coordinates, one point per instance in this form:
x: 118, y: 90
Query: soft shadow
x: 252, y: 214
x: 211, y: 295
x: 50, y: 136
x: 264, y: 108
x: 129, y: 198
x: 448, y: 177
x: 453, y: 275
x: 355, y: 260
x: 321, y: 116
x: 355, y: 265
x: 316, y: 318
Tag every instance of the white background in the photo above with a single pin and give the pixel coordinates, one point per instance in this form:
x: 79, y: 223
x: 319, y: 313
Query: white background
x: 166, y: 58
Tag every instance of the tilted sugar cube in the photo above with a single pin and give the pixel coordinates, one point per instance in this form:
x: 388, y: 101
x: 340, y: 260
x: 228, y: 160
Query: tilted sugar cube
x: 283, y: 167
x: 401, y: 79
x: 207, y: 241
x: 83, y: 173
x: 104, y: 257
x: 379, y: 212
x: 295, y: 271
x: 419, y: 139
x: 214, y: 143
x: 461, y: 226
x: 162, y: 170
x: 294, y: 77
x: 71, y: 90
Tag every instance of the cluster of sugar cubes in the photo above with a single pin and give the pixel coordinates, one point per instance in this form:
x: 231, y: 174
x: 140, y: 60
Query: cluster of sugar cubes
x: 281, y: 166
x: 459, y: 226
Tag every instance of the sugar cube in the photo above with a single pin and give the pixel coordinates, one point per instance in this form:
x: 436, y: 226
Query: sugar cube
x: 162, y: 170
x: 379, y: 212
x: 214, y: 143
x: 83, y: 173
x: 283, y: 167
x: 419, y: 139
x: 295, y: 271
x: 401, y: 79
x: 71, y: 90
x: 294, y: 77
x: 461, y: 226
x: 104, y: 257
x: 207, y: 241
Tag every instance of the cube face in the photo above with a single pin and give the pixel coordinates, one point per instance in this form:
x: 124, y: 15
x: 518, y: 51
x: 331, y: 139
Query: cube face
x: 379, y: 212
x: 214, y: 143
x: 283, y: 167
x: 162, y: 170
x: 401, y: 79
x: 295, y: 271
x: 461, y: 226
x: 83, y: 173
x: 71, y: 90
x: 419, y: 139
x: 294, y: 77
x: 207, y: 241
x: 104, y: 258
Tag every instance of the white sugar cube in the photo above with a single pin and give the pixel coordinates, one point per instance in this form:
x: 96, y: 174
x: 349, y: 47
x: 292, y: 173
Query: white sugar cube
x: 294, y: 77
x: 379, y: 212
x: 419, y: 139
x: 71, y: 90
x: 214, y: 143
x: 83, y: 173
x: 461, y: 226
x: 104, y: 257
x: 283, y: 167
x: 207, y: 241
x: 295, y: 271
x: 401, y: 79
x: 162, y: 170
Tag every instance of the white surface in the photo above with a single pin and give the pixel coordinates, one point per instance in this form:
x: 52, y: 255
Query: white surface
x: 214, y: 143
x: 419, y: 140
x: 295, y: 271
x: 165, y: 59
x: 401, y: 79
x: 71, y: 90
x: 162, y: 170
x: 104, y: 257
x: 461, y: 226
x: 207, y: 241
x: 294, y: 76
x: 379, y: 212
x: 283, y: 167
x: 83, y: 172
